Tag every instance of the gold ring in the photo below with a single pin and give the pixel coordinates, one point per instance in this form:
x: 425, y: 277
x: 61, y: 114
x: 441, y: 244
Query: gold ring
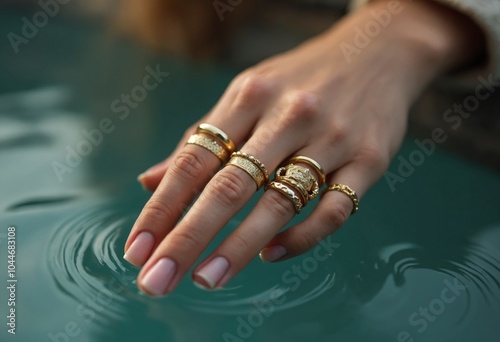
x: 210, y: 144
x: 312, y: 163
x: 301, y: 179
x: 250, y: 165
x: 218, y: 134
x: 285, y: 190
x: 348, y: 191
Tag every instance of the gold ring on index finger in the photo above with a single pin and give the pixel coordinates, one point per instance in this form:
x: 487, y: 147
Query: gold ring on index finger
x: 214, y: 140
x: 218, y: 134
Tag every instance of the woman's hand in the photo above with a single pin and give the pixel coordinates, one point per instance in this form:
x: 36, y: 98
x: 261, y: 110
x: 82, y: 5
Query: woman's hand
x: 348, y: 114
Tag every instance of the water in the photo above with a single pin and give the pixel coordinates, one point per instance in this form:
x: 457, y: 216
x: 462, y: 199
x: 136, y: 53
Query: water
x: 421, y: 262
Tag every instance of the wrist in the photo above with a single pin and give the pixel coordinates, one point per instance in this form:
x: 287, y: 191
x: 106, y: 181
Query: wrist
x: 408, y: 42
x: 432, y: 32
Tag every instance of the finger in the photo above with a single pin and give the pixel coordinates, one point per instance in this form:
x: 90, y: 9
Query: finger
x: 271, y: 213
x: 188, y: 173
x: 239, y: 99
x: 151, y: 178
x: 332, y: 211
x: 222, y: 198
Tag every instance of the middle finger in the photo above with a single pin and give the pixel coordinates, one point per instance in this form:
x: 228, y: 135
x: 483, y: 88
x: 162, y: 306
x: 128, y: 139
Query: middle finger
x: 225, y: 194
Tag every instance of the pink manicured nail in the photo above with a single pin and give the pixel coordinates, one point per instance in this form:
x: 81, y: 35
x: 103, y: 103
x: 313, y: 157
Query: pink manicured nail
x: 141, y: 177
x: 138, y: 252
x: 212, y: 272
x: 272, y: 253
x: 157, y: 279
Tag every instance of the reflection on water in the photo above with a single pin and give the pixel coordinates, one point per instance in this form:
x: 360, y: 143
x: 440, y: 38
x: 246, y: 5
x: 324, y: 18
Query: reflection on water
x: 476, y: 265
x: 389, y: 262
x: 85, y: 261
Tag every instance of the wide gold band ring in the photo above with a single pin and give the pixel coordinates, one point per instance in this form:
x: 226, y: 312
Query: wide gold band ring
x: 313, y: 164
x: 288, y: 192
x: 250, y: 165
x: 210, y: 144
x: 345, y: 190
x: 218, y: 134
x: 300, y: 179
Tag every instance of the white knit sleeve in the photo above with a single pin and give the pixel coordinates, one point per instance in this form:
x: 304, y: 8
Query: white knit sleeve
x: 486, y: 13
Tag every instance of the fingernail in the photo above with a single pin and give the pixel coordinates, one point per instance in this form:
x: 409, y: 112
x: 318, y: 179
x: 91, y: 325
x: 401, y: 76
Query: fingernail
x: 141, y: 177
x: 138, y: 252
x: 211, y: 273
x: 157, y: 279
x: 272, y: 253
x: 154, y: 168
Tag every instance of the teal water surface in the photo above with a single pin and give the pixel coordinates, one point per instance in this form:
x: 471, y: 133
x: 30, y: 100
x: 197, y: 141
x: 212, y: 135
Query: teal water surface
x: 418, y: 263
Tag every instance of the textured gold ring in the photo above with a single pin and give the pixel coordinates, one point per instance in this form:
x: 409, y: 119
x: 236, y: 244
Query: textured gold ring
x: 313, y: 164
x: 250, y: 165
x: 210, y: 144
x: 348, y: 191
x: 218, y: 134
x: 288, y: 192
x: 301, y: 179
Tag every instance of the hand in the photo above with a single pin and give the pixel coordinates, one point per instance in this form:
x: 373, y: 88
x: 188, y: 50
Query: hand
x: 349, y: 116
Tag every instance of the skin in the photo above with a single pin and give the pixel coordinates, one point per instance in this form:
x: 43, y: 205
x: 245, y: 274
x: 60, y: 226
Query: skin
x: 350, y: 117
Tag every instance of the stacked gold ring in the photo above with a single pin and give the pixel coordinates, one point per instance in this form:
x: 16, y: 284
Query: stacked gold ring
x: 250, y: 165
x: 347, y: 191
x: 313, y: 164
x: 297, y: 182
x: 299, y: 178
x: 218, y: 134
x: 289, y: 193
x: 214, y: 140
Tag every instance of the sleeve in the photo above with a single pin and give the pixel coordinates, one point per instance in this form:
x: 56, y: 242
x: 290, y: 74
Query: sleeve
x: 486, y: 13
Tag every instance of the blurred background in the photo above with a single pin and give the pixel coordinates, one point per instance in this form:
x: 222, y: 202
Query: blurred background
x: 77, y: 125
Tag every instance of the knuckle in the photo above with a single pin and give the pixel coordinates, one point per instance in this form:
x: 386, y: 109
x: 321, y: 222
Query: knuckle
x: 239, y: 244
x: 300, y: 106
x: 185, y: 239
x: 277, y: 204
x: 158, y: 209
x: 336, y: 215
x: 253, y: 88
x: 227, y: 187
x: 337, y: 133
x: 374, y: 158
x: 188, y: 165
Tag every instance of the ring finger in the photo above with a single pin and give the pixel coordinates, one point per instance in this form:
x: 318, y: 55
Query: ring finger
x: 273, y: 211
x: 222, y: 198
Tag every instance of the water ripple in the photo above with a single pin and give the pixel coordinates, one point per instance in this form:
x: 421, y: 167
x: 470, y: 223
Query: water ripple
x: 85, y: 264
x: 85, y: 260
